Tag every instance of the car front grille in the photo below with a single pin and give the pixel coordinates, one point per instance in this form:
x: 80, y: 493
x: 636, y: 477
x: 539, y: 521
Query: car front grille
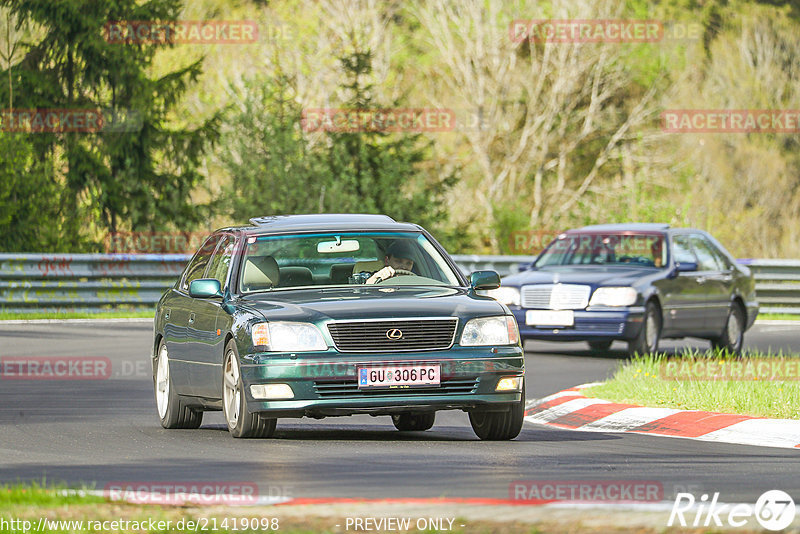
x: 382, y: 336
x: 349, y: 388
x: 555, y: 296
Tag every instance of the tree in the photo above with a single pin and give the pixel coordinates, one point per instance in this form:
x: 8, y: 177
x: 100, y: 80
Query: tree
x: 136, y: 172
x: 277, y: 167
x: 272, y: 169
x: 551, y: 118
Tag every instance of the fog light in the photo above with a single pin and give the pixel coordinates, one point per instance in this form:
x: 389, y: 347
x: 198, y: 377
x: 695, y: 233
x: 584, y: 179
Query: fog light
x: 271, y: 391
x: 510, y: 383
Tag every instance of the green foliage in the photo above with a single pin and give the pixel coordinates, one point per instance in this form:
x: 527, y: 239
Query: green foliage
x: 689, y: 383
x: 31, y: 214
x: 273, y: 170
x: 136, y: 172
x: 276, y: 167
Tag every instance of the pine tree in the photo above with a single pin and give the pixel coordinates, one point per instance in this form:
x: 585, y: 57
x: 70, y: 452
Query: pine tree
x: 136, y: 172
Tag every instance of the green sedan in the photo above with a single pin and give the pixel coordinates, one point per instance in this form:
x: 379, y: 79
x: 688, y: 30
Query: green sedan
x: 331, y: 315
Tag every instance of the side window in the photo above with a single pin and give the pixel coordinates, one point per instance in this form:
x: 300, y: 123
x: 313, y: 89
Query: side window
x: 682, y: 250
x: 197, y: 266
x: 722, y: 258
x: 707, y: 259
x: 218, y: 268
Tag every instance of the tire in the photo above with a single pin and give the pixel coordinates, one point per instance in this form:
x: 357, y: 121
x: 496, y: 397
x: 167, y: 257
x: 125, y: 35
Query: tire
x: 732, y: 337
x: 600, y: 345
x: 499, y: 426
x: 647, y: 340
x: 241, y: 423
x: 409, y: 422
x: 171, y: 410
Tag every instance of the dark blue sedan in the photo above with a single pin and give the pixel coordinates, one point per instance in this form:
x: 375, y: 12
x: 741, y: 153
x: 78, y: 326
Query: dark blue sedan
x: 639, y: 283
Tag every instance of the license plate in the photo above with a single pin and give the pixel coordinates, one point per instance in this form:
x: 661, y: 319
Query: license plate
x: 549, y: 318
x: 398, y: 376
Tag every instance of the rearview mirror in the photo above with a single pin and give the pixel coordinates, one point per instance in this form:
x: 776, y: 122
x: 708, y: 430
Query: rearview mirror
x: 484, y: 280
x: 205, y: 288
x: 685, y: 266
x: 331, y: 247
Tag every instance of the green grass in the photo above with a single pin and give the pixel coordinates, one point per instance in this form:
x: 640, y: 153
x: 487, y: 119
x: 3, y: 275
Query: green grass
x: 40, y: 495
x: 7, y: 316
x: 642, y: 381
x: 778, y: 317
x: 33, y: 501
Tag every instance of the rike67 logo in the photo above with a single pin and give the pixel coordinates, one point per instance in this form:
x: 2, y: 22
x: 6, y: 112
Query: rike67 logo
x: 774, y: 510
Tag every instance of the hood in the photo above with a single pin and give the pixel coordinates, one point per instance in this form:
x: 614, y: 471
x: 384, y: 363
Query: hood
x: 368, y: 302
x: 593, y: 275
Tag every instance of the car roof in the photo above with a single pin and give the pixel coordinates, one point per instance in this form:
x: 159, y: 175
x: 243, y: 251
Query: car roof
x: 624, y: 227
x: 323, y: 222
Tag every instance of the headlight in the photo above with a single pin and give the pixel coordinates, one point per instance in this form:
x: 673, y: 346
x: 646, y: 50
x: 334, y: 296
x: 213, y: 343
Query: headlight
x: 490, y: 331
x: 287, y: 337
x: 505, y: 295
x: 613, y: 296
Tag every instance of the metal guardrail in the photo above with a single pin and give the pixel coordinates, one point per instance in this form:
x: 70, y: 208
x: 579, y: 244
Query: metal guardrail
x: 777, y: 284
x: 85, y: 282
x: 95, y: 282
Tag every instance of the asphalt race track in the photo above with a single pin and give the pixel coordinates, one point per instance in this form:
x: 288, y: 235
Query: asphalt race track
x: 93, y: 432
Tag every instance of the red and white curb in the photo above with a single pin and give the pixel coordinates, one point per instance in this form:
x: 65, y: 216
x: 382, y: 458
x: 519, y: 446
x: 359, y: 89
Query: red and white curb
x: 571, y: 410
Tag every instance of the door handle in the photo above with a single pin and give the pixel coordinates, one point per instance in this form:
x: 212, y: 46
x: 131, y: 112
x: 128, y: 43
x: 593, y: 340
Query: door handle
x: 191, y: 318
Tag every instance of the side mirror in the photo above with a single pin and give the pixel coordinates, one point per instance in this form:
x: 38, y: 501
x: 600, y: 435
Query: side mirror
x: 685, y: 267
x: 205, y: 288
x: 484, y: 280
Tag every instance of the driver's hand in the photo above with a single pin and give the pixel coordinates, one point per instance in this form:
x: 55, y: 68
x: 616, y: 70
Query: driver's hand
x: 383, y: 274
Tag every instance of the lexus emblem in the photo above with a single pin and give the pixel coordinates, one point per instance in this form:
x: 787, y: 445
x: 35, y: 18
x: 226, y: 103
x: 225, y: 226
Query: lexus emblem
x: 394, y: 334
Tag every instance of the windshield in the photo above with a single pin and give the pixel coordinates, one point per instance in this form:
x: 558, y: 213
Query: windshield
x: 623, y: 248
x: 346, y: 258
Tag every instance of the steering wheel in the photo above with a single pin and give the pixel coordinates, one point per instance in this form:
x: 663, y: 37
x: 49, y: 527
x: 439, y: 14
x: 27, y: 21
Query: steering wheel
x: 397, y: 272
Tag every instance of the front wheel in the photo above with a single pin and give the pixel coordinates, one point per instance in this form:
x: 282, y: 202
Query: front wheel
x: 171, y: 411
x: 241, y: 423
x: 499, y: 426
x: 732, y: 337
x: 647, y: 340
x: 408, y: 422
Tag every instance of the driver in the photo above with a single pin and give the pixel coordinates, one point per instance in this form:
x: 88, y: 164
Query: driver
x: 657, y: 249
x: 397, y: 262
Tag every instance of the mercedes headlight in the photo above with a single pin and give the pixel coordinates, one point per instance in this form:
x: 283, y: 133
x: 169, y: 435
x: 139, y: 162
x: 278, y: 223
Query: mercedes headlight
x: 613, y: 296
x: 280, y: 336
x: 485, y: 331
x: 505, y: 295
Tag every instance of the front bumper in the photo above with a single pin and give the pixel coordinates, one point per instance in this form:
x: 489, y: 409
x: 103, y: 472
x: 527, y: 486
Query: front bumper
x: 325, y: 383
x: 591, y: 324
